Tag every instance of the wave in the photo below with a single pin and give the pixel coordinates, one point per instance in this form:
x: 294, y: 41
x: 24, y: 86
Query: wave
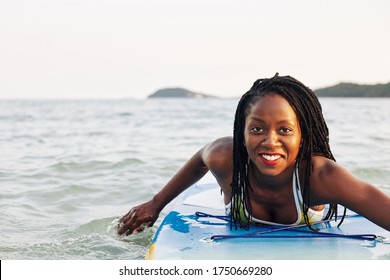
x: 93, y: 165
x: 378, y: 177
x: 373, y: 174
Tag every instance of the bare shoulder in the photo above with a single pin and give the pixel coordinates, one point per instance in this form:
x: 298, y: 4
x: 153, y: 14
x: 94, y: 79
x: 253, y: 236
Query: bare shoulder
x: 218, y: 156
x: 323, y: 166
x: 329, y: 180
x: 333, y: 183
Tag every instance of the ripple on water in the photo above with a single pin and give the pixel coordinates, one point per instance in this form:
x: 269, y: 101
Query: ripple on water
x: 96, y: 239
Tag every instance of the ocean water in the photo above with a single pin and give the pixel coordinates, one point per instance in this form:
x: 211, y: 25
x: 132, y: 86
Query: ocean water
x: 69, y: 169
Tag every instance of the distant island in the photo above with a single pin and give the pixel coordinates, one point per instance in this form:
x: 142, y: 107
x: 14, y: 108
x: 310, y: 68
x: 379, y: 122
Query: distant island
x: 339, y: 90
x: 178, y: 93
x: 354, y: 90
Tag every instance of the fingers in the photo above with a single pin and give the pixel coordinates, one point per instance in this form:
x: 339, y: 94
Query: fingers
x: 127, y: 216
x: 141, y: 228
x: 127, y: 223
x: 132, y: 223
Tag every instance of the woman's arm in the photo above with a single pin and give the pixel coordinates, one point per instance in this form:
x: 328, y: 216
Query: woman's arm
x: 146, y: 214
x: 333, y: 184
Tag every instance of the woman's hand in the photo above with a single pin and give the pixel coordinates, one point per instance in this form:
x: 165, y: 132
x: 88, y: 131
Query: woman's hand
x: 138, y: 218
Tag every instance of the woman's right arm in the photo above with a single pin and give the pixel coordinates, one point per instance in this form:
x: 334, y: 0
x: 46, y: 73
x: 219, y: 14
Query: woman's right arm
x: 144, y: 215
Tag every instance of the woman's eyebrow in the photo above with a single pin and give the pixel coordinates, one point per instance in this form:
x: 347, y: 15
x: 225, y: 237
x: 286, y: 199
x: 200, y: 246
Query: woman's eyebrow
x: 287, y: 120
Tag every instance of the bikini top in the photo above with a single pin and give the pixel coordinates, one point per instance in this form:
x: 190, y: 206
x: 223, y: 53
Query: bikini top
x: 313, y: 215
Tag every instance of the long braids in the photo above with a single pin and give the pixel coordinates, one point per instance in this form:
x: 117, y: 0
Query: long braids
x: 315, y: 135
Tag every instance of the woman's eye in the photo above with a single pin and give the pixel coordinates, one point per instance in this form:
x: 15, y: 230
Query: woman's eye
x: 256, y: 129
x: 285, y: 130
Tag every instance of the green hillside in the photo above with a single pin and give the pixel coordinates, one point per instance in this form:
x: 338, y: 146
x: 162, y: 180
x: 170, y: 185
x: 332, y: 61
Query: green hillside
x: 354, y: 90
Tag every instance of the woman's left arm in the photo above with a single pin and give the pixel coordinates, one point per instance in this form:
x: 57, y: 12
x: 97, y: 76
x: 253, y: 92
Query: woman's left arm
x: 331, y: 183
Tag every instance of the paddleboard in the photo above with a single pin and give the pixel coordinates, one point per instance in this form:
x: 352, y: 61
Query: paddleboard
x: 196, y: 228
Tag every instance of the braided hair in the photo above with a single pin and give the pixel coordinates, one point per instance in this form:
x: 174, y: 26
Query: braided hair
x: 315, y: 135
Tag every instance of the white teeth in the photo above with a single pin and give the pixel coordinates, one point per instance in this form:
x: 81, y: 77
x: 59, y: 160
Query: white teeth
x: 271, y: 157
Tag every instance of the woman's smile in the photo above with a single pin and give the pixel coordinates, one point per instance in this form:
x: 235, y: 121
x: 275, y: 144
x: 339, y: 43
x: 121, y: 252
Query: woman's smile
x: 270, y: 159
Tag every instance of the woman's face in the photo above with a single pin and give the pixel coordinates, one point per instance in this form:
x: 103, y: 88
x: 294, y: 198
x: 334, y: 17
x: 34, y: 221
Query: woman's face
x: 272, y: 134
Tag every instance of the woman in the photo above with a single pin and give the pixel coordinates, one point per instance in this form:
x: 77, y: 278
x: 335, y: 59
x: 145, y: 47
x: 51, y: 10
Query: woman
x: 277, y: 169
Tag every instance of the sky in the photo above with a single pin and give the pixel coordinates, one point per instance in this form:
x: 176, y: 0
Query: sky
x: 98, y: 49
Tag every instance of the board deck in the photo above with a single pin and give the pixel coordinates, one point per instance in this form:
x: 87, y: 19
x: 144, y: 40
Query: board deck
x: 185, y: 235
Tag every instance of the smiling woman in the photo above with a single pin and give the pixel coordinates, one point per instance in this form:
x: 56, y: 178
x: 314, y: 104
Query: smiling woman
x: 272, y: 134
x: 277, y: 169
x: 289, y: 118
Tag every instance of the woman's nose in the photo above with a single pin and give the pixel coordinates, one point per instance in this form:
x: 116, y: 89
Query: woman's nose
x: 271, y: 138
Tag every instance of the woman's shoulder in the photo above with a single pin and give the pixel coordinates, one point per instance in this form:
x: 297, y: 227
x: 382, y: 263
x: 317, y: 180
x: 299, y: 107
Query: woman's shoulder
x: 322, y: 169
x: 220, y: 145
x: 218, y: 155
x: 330, y: 180
x: 322, y: 165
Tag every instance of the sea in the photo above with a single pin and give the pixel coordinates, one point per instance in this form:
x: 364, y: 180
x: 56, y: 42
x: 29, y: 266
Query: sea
x: 70, y: 168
